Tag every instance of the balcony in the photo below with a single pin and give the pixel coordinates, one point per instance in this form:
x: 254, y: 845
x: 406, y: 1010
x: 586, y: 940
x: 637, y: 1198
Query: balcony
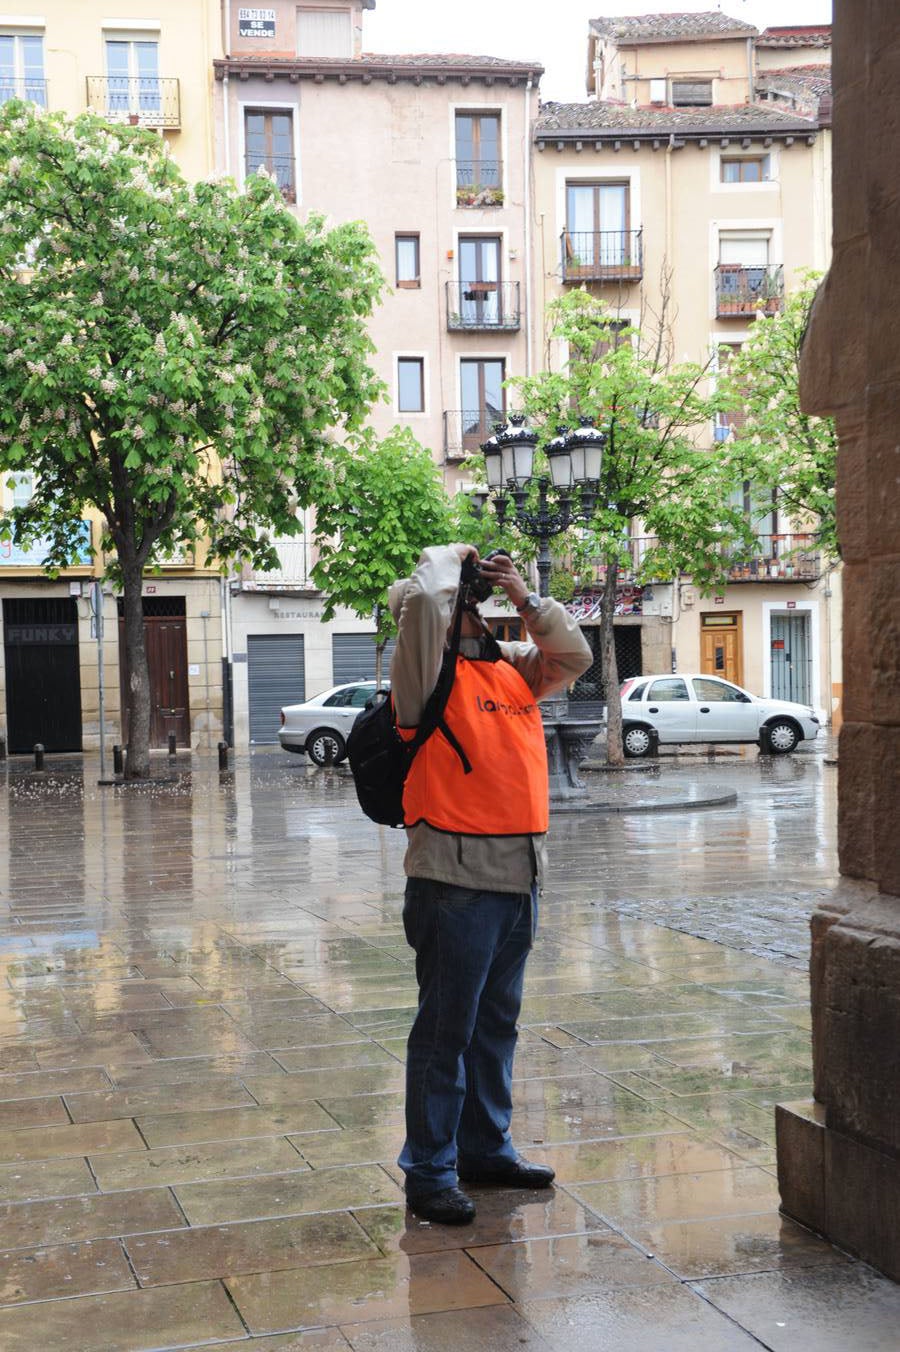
x: 742, y: 292
x: 479, y: 306
x: 296, y: 556
x: 479, y: 183
x: 137, y: 100
x: 23, y: 87
x: 789, y: 557
x: 602, y: 255
x: 280, y: 167
x: 466, y: 429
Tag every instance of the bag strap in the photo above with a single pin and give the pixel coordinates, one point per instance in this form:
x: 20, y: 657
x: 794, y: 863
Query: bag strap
x: 433, y: 713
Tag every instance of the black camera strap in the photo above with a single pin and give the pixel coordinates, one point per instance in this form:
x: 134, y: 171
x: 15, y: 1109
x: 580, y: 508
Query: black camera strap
x: 433, y: 713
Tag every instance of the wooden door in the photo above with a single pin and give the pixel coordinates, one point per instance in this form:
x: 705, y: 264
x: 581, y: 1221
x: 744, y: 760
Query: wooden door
x: 165, y: 639
x: 721, y: 647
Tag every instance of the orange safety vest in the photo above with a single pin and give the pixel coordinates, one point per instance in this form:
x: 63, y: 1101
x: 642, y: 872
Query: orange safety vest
x: 495, y: 717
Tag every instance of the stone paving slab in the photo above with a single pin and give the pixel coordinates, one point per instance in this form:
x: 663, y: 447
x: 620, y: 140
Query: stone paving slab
x: 204, y: 999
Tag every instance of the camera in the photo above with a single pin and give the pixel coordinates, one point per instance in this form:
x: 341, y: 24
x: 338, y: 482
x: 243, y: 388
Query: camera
x: 476, y: 586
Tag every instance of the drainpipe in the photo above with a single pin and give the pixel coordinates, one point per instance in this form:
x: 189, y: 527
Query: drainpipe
x: 528, y: 258
x: 750, y: 75
x: 669, y: 148
x: 226, y: 102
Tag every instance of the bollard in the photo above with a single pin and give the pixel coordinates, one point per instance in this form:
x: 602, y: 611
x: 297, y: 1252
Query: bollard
x: 38, y: 756
x: 118, y: 761
x: 223, y: 755
x: 2, y: 748
x: 171, y: 744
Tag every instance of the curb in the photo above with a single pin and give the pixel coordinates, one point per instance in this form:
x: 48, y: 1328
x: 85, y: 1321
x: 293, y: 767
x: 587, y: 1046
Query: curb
x: 667, y: 805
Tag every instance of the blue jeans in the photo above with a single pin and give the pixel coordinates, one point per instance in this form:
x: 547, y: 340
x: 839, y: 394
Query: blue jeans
x: 471, y: 948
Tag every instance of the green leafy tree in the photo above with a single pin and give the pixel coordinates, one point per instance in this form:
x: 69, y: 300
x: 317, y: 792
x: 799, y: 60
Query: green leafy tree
x: 378, y: 507
x: 781, y: 447
x: 656, y: 471
x: 178, y: 356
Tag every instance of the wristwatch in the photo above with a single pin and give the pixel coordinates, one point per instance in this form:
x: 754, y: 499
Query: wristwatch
x: 530, y: 606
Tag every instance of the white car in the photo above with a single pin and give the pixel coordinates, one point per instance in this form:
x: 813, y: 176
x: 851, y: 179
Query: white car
x: 699, y: 708
x: 321, y: 725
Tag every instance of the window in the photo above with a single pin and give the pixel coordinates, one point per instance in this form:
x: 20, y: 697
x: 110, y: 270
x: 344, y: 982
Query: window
x: 22, y: 68
x: 614, y: 330
x: 410, y: 384
x: 691, y: 93
x: 479, y: 168
x: 21, y: 488
x: 324, y: 32
x: 638, y: 691
x: 479, y: 279
x: 732, y: 419
x: 744, y: 169
x: 671, y: 688
x: 408, y: 261
x: 717, y: 692
x: 132, y: 86
x: 483, y: 398
x: 745, y: 249
x: 269, y: 145
x: 598, y: 226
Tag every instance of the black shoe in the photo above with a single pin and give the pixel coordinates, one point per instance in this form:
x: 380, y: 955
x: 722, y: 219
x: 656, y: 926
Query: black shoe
x: 509, y: 1174
x: 447, y: 1207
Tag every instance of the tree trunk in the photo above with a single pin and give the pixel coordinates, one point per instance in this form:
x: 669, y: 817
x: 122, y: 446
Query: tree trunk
x: 137, y: 676
x: 614, y: 752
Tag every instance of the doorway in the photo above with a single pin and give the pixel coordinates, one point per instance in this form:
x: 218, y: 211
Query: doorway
x: 165, y: 638
x: 43, y: 682
x: 791, y: 658
x: 721, y: 646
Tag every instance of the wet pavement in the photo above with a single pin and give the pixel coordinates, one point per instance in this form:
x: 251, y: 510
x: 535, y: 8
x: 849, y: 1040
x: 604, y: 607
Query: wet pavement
x: 204, y: 1003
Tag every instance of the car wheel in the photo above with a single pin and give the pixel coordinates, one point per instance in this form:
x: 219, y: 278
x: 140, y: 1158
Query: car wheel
x: 783, y: 735
x: 636, y: 741
x: 325, y: 747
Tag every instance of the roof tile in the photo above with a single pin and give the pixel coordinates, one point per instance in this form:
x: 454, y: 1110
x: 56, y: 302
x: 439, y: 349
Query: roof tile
x: 669, y: 27
x: 566, y: 119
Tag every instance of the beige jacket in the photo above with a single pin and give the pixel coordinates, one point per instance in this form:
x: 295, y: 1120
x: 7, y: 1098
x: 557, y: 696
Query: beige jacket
x: 423, y: 606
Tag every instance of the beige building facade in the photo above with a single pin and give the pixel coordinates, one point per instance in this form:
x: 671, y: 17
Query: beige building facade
x: 695, y: 162
x: 433, y: 153
x: 155, y: 72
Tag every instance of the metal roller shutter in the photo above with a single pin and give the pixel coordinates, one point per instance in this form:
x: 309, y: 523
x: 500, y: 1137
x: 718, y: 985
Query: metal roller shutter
x: 275, y: 675
x: 353, y: 656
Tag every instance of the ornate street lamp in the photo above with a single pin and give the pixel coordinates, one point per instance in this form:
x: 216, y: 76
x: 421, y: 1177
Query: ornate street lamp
x: 575, y: 460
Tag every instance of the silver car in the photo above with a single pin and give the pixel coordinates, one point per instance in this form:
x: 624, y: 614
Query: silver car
x: 701, y: 708
x: 321, y: 725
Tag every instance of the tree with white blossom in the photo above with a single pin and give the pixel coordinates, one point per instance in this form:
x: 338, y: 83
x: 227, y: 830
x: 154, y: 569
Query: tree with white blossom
x: 180, y: 357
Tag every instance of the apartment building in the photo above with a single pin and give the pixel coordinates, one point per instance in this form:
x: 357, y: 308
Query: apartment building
x: 433, y: 152
x: 152, y: 72
x: 703, y: 152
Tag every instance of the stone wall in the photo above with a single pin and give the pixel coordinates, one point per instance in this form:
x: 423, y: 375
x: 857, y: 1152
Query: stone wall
x: 839, y: 1163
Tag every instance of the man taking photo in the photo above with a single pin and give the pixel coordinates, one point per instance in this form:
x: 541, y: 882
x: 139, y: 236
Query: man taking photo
x: 475, y: 825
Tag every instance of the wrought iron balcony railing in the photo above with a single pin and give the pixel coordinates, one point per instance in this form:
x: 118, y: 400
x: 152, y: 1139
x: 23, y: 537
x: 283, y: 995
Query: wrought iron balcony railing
x: 281, y: 167
x: 787, y: 557
x: 466, y: 429
x: 483, y: 305
x: 602, y: 255
x: 141, y: 100
x: 23, y: 87
x: 746, y: 290
x: 479, y: 183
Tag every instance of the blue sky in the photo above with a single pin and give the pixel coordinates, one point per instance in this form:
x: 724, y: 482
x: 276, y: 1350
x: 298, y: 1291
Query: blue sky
x: 554, y: 34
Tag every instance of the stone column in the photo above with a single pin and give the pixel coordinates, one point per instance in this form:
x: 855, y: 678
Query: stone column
x: 839, y: 1164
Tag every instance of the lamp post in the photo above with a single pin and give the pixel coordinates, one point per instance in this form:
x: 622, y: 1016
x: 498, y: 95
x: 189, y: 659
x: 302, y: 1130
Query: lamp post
x: 566, y: 495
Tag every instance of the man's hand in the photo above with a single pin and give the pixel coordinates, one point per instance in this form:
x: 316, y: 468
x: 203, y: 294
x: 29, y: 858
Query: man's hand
x: 464, y: 551
x: 502, y: 572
